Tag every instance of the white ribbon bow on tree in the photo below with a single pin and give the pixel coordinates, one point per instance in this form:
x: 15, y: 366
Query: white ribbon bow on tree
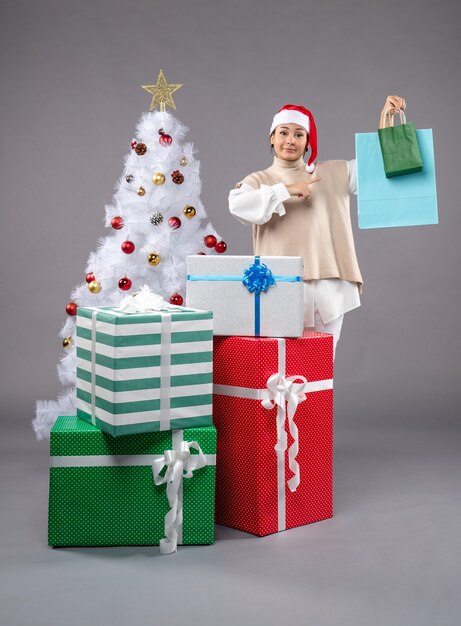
x: 179, y: 464
x: 286, y: 394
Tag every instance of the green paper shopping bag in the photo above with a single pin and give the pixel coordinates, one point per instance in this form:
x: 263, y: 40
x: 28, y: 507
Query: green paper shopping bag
x: 399, y: 148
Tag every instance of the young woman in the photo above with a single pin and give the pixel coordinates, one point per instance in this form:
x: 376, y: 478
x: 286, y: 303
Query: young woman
x: 303, y: 210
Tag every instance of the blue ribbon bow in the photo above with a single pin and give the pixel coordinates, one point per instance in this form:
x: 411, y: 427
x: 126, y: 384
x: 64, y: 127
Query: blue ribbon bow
x: 258, y: 277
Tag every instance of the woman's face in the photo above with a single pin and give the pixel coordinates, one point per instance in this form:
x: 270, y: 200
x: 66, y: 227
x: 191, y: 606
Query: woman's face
x: 289, y: 141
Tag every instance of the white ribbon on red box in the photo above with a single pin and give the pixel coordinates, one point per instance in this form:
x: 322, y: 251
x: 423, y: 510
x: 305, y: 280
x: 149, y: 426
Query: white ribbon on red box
x: 286, y: 394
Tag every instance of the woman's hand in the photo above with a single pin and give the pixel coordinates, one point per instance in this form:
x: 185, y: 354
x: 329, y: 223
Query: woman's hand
x: 301, y: 190
x: 392, y: 105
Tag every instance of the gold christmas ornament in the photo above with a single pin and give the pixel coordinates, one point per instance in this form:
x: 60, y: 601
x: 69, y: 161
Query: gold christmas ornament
x: 162, y: 93
x: 158, y: 178
x: 189, y: 211
x: 141, y: 191
x: 153, y: 258
x: 95, y: 286
x: 67, y: 342
x: 183, y: 161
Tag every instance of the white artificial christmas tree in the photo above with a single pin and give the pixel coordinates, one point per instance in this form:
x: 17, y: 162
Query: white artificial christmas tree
x: 155, y: 221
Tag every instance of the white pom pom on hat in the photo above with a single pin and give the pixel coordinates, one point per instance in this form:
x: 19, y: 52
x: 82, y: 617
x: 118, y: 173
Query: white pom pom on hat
x: 297, y: 114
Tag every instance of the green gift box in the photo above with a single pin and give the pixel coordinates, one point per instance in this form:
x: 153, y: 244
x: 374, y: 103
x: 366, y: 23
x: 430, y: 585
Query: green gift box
x: 144, y: 371
x: 141, y: 489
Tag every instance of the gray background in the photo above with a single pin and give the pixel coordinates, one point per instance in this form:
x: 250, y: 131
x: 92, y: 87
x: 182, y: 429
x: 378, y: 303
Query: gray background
x: 70, y: 101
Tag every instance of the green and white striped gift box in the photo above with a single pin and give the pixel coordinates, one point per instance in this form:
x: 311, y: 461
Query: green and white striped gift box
x: 144, y: 372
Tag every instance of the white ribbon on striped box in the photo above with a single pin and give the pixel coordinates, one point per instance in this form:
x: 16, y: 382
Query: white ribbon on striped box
x: 180, y: 463
x: 284, y: 393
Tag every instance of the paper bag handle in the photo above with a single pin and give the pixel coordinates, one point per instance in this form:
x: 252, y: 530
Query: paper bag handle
x: 403, y: 119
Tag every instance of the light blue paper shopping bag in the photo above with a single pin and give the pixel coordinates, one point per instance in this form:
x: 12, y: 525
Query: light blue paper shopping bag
x: 409, y: 200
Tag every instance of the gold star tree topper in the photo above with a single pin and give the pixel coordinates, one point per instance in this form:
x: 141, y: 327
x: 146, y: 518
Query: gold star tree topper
x: 162, y: 93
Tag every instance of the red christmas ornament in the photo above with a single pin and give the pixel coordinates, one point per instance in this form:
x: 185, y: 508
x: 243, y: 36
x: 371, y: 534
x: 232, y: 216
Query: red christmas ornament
x: 71, y: 309
x: 117, y: 222
x: 133, y: 144
x: 124, y: 284
x: 176, y: 299
x: 174, y: 222
x: 210, y: 241
x: 221, y: 246
x: 128, y: 247
x: 165, y: 140
x: 202, y: 253
x: 90, y: 277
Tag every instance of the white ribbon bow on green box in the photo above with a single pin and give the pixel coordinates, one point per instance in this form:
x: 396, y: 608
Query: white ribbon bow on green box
x: 179, y: 464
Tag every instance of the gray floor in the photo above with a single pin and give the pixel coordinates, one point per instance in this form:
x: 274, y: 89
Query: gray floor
x: 389, y: 557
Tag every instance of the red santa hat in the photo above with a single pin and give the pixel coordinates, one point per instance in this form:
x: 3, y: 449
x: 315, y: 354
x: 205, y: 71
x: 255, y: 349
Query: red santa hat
x: 296, y: 114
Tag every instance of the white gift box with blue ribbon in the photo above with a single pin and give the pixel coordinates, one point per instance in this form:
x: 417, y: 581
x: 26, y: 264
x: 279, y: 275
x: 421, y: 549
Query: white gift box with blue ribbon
x: 256, y: 296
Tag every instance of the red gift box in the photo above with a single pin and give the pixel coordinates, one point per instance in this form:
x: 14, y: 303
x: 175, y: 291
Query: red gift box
x: 273, y: 410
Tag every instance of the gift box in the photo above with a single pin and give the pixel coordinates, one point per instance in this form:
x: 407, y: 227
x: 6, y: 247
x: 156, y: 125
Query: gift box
x: 273, y: 411
x: 144, y: 371
x: 134, y: 490
x: 255, y: 296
